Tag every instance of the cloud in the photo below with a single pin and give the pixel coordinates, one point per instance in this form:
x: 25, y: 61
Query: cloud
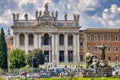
x: 6, y: 17
x: 92, y: 12
x: 112, y: 16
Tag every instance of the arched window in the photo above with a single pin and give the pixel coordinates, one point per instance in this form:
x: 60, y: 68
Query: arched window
x: 108, y: 37
x: 88, y: 37
x: 61, y: 39
x: 109, y: 48
x: 102, y: 37
x: 70, y: 40
x: 95, y: 37
x: 30, y: 39
x: 46, y: 39
x: 116, y: 37
x: 96, y: 48
x: 22, y: 39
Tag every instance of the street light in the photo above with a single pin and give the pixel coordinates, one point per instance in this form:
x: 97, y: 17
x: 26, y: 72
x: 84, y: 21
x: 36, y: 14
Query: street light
x: 32, y: 62
x: 46, y: 61
x: 70, y: 59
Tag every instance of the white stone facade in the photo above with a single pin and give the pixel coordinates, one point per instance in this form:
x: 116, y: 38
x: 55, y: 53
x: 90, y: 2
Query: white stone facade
x: 58, y: 39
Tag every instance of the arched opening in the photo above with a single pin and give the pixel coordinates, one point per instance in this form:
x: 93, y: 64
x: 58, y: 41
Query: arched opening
x: 22, y: 39
x: 61, y: 39
x: 30, y: 39
x: 46, y: 39
x: 70, y: 39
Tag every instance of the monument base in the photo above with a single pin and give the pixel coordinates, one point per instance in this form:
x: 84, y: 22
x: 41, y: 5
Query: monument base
x: 88, y: 73
x: 104, y: 70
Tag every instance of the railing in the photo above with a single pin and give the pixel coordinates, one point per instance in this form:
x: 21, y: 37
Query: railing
x: 59, y: 23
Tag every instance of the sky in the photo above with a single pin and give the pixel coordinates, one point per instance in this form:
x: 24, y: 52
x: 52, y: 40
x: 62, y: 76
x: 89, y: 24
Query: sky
x: 93, y: 13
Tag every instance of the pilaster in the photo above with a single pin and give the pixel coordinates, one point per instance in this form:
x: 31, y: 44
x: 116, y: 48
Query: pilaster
x: 26, y: 42
x: 66, y: 48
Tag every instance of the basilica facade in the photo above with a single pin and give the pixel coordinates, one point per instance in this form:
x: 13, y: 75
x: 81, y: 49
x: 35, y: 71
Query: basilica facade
x: 58, y: 39
x: 62, y: 41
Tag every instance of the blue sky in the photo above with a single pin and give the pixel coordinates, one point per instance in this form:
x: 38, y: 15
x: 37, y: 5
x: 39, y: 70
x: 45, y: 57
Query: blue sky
x: 93, y: 13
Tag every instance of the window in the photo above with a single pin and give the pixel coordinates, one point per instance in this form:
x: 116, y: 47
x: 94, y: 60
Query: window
x: 81, y: 58
x: 46, y: 53
x: 88, y: 37
x: 61, y: 39
x: 61, y: 56
x: 70, y: 56
x: 30, y: 39
x: 81, y: 44
x: 109, y: 49
x: 96, y: 49
x: 22, y: 39
x: 116, y: 38
x: 95, y: 37
x: 46, y: 39
x: 109, y: 58
x: 70, y: 40
x: 102, y: 38
x: 116, y: 57
x: 116, y: 48
x: 88, y: 48
x: 108, y: 37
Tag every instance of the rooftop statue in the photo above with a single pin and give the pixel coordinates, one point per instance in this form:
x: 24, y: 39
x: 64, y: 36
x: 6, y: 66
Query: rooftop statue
x: 46, y: 6
x: 65, y: 16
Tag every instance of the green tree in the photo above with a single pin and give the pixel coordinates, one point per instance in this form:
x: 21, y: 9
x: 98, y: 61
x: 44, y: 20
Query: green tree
x: 3, y: 50
x: 35, y: 58
x: 17, y: 59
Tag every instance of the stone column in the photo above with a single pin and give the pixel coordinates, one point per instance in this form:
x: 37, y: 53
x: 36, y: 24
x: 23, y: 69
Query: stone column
x: 26, y: 43
x: 14, y: 41
x: 56, y: 48
x: 78, y: 45
x: 53, y: 48
x: 17, y: 40
x: 66, y: 48
x: 75, y: 47
x: 40, y: 44
x: 36, y: 40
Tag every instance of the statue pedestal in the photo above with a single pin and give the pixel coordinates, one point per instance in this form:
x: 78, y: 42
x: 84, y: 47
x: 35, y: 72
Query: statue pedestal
x: 104, y: 70
x: 88, y: 73
x: 103, y: 63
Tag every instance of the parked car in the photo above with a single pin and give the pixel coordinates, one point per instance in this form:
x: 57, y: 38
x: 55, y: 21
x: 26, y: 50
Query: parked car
x: 23, y: 73
x: 43, y: 75
x: 12, y: 76
x: 30, y: 75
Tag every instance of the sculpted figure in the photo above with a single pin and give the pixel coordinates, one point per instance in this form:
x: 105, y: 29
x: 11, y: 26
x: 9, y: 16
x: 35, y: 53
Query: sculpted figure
x: 26, y: 16
x: 40, y: 13
x: 78, y: 17
x: 52, y: 14
x: 95, y: 64
x: 89, y: 58
x: 36, y: 14
x: 92, y: 62
x: 74, y: 16
x: 56, y: 14
x: 17, y: 16
x: 102, y: 47
x: 46, y: 6
x: 13, y: 16
x: 65, y: 16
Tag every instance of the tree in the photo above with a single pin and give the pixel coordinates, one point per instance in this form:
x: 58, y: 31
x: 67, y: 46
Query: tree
x: 17, y: 59
x: 3, y: 50
x: 35, y: 58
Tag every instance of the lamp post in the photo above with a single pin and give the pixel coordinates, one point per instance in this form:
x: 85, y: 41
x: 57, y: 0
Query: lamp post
x: 70, y: 59
x: 32, y: 62
x: 46, y: 62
